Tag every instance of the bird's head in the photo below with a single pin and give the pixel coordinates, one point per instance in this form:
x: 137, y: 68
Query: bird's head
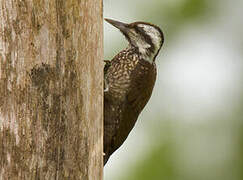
x: 146, y: 37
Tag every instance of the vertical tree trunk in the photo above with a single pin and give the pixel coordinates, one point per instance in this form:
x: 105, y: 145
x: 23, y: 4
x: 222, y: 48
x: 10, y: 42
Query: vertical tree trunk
x: 51, y: 89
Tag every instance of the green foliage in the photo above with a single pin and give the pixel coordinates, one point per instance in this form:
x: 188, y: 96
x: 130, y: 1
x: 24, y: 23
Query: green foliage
x: 157, y: 165
x: 176, y: 14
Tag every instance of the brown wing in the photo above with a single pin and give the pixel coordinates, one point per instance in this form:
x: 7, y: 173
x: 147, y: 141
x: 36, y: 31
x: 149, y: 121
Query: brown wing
x: 141, y: 88
x: 111, y: 120
x: 137, y: 98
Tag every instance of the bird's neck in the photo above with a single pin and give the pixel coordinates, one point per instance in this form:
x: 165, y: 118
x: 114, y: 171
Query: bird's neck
x: 144, y: 53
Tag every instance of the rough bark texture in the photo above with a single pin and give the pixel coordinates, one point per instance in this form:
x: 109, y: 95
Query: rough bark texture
x: 51, y: 89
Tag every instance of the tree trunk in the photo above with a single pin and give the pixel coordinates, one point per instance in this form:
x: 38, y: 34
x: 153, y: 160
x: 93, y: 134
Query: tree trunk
x: 51, y: 89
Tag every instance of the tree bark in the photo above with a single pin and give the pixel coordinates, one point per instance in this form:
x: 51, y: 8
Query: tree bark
x: 51, y: 89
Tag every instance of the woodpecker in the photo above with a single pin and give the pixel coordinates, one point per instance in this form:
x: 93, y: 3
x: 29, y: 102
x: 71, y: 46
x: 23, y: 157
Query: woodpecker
x: 128, y: 81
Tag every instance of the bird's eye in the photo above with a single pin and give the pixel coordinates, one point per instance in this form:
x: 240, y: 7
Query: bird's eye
x: 140, y: 30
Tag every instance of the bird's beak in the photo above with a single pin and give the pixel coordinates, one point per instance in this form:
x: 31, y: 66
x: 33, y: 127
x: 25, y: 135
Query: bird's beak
x: 123, y: 27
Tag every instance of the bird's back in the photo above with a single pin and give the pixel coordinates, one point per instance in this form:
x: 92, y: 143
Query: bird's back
x: 130, y: 83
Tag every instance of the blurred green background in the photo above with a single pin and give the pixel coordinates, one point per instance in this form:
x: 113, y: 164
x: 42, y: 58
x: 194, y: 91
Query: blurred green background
x: 192, y: 127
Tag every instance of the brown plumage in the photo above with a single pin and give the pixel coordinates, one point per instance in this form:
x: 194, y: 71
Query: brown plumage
x: 129, y: 81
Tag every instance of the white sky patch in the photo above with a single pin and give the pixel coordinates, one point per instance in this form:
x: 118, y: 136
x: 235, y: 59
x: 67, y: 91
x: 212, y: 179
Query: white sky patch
x: 201, y: 77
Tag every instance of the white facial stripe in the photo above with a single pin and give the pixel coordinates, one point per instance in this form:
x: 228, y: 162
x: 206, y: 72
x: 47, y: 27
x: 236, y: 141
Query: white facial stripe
x: 153, y: 33
x: 137, y: 39
x: 140, y: 43
x: 143, y: 46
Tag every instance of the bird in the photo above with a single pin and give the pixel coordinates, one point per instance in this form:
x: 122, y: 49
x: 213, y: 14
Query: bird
x: 129, y: 80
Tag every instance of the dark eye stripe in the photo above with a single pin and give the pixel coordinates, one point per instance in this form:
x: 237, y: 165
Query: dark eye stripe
x: 147, y: 38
